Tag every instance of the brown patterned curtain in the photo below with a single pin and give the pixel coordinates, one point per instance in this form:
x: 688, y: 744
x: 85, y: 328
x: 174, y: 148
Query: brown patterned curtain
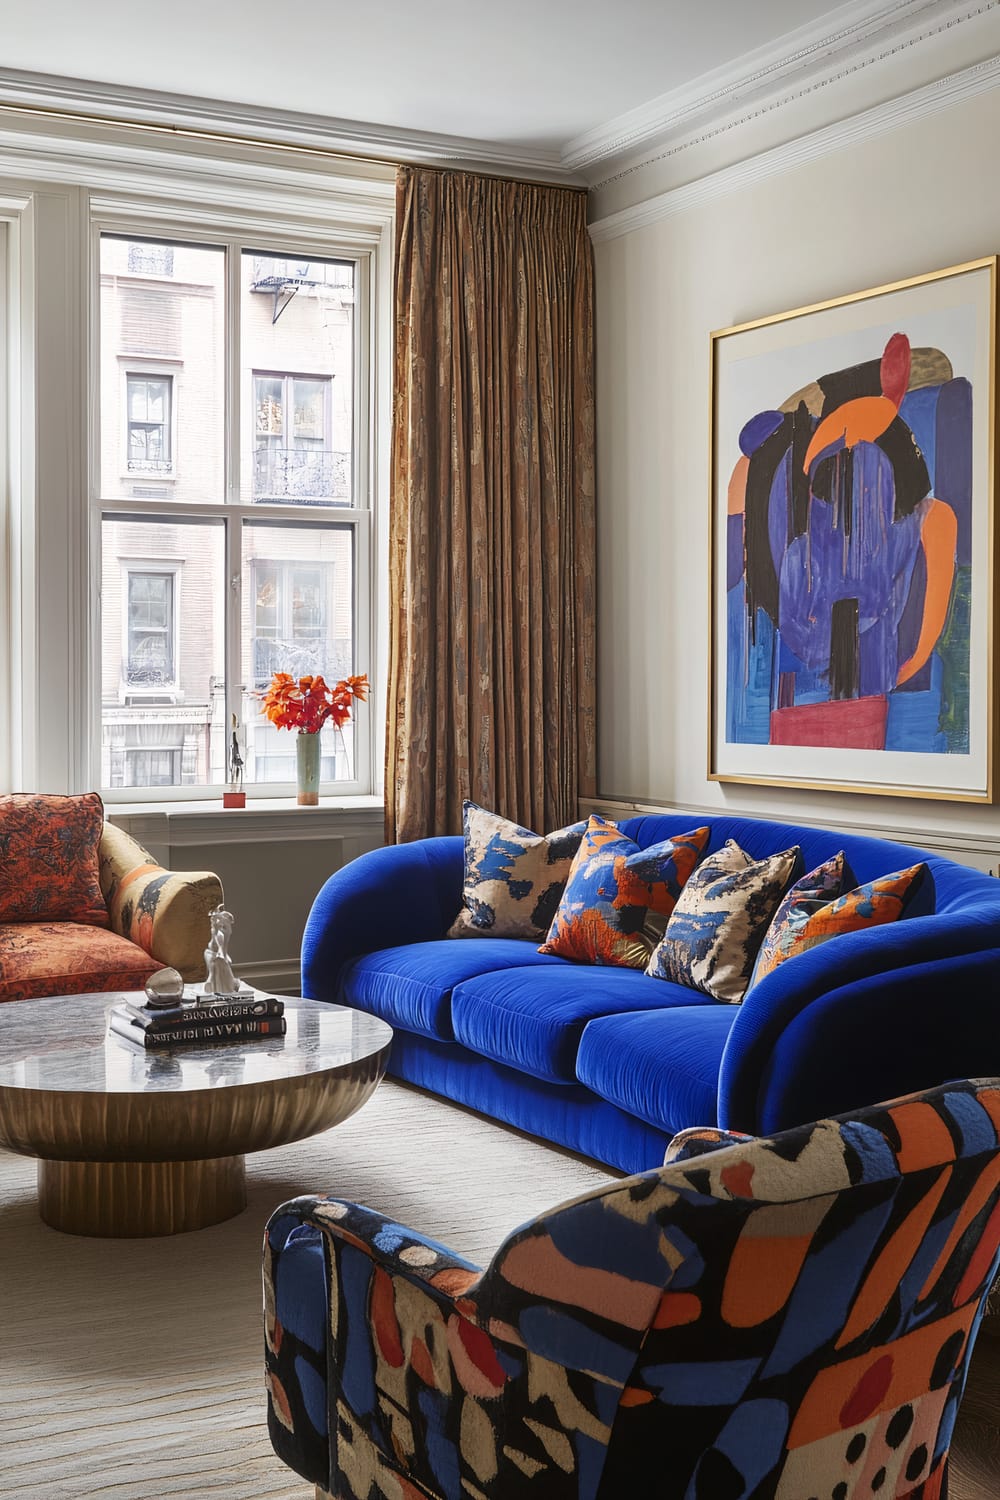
x: 491, y: 536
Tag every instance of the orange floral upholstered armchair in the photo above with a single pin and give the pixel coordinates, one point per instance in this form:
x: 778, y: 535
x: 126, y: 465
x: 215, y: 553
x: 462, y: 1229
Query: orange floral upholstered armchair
x: 83, y: 908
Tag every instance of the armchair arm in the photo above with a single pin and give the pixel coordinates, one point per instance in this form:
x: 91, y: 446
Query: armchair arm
x: 850, y: 1027
x: 404, y: 893
x: 699, y: 1140
x: 165, y: 913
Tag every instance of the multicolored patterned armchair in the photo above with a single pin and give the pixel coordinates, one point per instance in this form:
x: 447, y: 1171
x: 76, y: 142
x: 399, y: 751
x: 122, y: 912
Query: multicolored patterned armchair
x: 784, y: 1318
x: 83, y: 908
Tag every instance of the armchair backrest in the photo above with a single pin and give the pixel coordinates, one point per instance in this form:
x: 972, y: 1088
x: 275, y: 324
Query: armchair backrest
x: 793, y: 1313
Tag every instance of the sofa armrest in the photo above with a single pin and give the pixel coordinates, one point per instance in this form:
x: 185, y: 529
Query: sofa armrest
x: 857, y: 1020
x: 403, y: 893
x: 164, y: 912
x: 698, y: 1140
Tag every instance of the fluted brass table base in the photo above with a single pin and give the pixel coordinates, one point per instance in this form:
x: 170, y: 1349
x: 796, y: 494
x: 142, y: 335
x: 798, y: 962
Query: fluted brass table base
x: 126, y: 1199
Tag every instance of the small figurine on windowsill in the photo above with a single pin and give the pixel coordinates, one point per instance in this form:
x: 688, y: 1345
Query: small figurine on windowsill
x: 234, y: 795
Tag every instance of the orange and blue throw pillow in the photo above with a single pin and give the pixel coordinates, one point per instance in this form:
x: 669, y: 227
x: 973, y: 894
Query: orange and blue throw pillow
x: 801, y: 925
x: 805, y: 898
x: 618, y: 897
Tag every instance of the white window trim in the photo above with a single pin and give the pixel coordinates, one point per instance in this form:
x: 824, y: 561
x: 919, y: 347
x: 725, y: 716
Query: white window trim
x: 52, y: 181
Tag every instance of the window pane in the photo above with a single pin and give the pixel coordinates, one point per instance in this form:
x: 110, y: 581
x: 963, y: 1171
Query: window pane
x: 297, y: 342
x: 298, y: 617
x: 162, y: 369
x: 162, y: 665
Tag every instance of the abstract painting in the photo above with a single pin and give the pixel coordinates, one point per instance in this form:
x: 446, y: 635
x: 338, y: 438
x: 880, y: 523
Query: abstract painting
x: 852, y: 495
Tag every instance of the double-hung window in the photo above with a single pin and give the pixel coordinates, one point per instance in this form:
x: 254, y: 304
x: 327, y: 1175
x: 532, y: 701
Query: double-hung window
x: 234, y: 501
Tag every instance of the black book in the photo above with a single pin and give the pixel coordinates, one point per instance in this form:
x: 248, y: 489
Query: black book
x: 123, y: 1025
x: 240, y: 1008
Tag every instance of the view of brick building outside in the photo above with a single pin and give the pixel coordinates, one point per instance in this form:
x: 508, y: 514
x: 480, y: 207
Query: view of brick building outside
x: 162, y: 439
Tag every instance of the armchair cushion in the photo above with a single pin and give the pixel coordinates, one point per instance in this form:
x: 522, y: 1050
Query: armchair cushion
x: 48, y: 859
x: 68, y: 958
x: 162, y: 911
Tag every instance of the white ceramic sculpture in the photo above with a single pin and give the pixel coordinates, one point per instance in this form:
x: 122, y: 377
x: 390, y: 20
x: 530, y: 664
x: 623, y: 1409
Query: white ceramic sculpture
x: 219, y: 978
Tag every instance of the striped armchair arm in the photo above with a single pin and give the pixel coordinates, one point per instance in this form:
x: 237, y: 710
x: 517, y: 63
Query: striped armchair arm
x: 165, y: 913
x: 699, y: 1139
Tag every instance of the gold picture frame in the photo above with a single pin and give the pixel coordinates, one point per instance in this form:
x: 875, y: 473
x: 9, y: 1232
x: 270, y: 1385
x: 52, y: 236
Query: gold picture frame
x: 853, y: 542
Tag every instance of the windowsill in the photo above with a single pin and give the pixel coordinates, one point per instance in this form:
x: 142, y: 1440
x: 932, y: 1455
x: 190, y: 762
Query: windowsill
x: 212, y: 806
x: 263, y: 820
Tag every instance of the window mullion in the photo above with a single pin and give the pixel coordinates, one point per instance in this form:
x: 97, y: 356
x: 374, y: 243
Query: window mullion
x: 234, y: 522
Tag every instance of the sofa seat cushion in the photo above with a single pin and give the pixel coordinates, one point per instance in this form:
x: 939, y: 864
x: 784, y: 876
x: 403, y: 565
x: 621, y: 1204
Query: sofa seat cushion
x: 411, y: 986
x: 661, y: 1066
x: 534, y: 1021
x: 68, y: 958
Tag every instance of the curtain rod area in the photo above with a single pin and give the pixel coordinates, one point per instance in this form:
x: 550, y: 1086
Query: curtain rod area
x: 265, y: 143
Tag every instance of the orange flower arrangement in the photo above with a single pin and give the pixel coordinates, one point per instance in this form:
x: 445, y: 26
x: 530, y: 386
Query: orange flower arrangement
x: 305, y: 703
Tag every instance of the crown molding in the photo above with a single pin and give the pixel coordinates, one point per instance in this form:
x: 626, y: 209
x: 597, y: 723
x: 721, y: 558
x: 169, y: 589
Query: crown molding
x: 881, y: 119
x: 799, y: 63
x: 74, y: 99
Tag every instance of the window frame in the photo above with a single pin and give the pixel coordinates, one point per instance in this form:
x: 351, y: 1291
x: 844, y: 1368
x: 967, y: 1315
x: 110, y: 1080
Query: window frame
x: 316, y: 241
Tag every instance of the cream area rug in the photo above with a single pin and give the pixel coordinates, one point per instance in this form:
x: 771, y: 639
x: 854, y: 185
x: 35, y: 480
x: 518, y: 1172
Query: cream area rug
x: 132, y: 1369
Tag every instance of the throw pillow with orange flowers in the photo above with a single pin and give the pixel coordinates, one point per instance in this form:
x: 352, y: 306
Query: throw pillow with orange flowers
x: 305, y: 703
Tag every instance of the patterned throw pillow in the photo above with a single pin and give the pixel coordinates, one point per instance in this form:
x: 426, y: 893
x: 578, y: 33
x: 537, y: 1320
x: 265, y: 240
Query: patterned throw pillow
x: 48, y: 859
x: 513, y: 877
x: 719, y: 922
x: 879, y: 901
x: 806, y: 897
x: 618, y: 897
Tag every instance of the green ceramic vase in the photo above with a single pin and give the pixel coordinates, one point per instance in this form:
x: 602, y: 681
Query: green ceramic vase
x: 307, y: 758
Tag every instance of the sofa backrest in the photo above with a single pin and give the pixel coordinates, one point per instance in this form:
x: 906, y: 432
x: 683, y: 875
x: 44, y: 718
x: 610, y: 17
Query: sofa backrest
x: 955, y: 886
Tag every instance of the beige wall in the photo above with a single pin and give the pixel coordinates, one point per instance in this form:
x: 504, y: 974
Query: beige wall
x: 903, y: 203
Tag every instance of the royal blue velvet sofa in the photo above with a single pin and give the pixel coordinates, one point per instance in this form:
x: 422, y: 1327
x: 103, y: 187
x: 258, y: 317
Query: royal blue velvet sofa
x: 611, y: 1062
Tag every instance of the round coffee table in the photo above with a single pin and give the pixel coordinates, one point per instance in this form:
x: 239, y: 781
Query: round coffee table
x: 142, y: 1143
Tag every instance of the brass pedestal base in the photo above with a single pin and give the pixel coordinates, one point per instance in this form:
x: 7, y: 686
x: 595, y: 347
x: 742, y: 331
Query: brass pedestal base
x: 126, y: 1199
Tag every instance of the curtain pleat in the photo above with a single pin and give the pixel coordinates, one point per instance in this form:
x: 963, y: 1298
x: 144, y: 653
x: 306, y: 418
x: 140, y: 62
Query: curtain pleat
x: 491, y: 691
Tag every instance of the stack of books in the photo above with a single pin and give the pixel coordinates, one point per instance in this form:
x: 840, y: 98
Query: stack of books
x: 192, y: 1023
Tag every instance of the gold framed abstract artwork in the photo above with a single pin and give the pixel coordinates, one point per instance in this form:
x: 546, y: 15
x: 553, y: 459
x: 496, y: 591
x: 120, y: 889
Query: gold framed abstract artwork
x: 853, y: 542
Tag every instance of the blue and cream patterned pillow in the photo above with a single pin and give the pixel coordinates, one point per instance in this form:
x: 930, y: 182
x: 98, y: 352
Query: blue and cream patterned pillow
x: 513, y: 877
x: 719, y: 922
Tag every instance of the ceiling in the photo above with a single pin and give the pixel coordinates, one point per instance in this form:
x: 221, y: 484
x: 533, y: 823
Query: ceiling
x: 532, y: 74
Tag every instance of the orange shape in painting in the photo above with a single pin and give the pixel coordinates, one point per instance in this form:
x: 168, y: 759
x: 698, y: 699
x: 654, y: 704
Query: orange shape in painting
x: 859, y: 421
x: 737, y: 500
x: 938, y: 535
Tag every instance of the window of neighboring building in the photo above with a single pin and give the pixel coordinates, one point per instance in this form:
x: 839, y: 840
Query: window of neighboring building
x: 148, y: 402
x: 293, y: 456
x: 148, y: 259
x: 150, y: 630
